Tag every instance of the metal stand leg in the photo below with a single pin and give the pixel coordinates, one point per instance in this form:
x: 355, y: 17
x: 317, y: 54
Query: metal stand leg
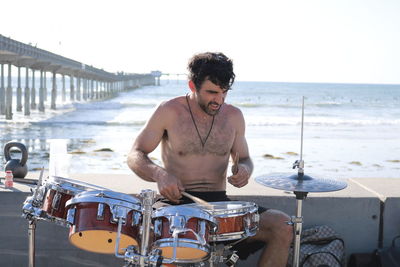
x: 148, y: 201
x: 31, y: 234
x: 298, y: 224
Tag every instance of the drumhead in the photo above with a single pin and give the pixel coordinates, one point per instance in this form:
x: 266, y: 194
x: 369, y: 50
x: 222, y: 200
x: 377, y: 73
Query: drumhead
x: 228, y: 207
x: 106, y: 197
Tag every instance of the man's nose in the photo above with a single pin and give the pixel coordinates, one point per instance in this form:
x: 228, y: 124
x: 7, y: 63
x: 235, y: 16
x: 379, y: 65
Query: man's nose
x: 219, y: 98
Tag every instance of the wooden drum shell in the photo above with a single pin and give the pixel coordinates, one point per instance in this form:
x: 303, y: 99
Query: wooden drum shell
x: 60, y: 211
x: 192, y: 223
x: 102, y: 233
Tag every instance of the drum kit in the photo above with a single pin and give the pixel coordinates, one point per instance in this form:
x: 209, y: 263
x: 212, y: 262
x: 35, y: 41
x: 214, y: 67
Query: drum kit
x: 108, y: 222
x: 103, y: 221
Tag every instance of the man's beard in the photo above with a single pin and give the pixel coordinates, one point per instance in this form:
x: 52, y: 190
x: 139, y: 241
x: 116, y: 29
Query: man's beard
x: 207, y: 109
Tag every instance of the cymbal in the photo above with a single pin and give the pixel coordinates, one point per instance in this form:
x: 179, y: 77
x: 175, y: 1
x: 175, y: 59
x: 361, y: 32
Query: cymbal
x: 306, y: 183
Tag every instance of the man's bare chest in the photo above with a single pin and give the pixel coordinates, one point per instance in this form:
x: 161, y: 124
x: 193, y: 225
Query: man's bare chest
x: 184, y: 139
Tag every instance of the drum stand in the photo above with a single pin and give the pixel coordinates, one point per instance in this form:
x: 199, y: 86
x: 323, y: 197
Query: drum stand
x: 32, y: 212
x: 143, y: 258
x: 31, y: 234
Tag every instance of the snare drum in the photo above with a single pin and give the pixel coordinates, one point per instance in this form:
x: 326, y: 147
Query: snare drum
x: 94, y: 218
x: 56, y: 192
x: 235, y: 219
x: 182, y: 233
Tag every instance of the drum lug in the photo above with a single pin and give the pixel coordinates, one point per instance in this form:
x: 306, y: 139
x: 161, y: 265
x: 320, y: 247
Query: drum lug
x: 202, y: 226
x: 119, y: 212
x: 247, y: 225
x: 56, y: 201
x: 136, y: 218
x: 157, y: 227
x: 176, y: 222
x: 71, y: 216
x: 100, y: 212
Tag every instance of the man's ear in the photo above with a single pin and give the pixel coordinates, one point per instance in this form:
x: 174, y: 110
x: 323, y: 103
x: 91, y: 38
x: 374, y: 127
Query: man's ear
x: 192, y: 86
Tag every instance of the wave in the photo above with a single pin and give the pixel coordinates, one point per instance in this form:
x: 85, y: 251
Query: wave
x: 97, y: 105
x: 358, y: 104
x: 144, y: 105
x: 321, y: 121
x: 291, y: 105
x: 90, y: 123
x: 249, y: 105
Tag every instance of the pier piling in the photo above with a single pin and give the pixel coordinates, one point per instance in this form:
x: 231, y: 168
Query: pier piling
x: 19, y: 90
x: 9, y: 95
x: 2, y: 92
x: 41, y: 91
x: 27, y: 110
x: 53, y: 91
x: 33, y: 95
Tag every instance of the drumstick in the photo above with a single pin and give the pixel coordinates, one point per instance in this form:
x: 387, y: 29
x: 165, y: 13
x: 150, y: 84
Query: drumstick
x: 235, y: 167
x: 197, y: 200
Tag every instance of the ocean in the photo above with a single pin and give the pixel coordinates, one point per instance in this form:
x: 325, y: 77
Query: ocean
x: 350, y: 130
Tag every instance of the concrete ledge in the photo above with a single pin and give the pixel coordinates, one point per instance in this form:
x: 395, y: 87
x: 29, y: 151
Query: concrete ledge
x: 387, y: 190
x: 353, y: 212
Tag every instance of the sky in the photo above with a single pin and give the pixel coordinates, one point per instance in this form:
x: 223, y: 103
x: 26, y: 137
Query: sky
x: 339, y: 41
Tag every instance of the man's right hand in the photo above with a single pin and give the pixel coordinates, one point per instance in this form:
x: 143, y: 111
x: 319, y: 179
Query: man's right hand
x: 170, y: 187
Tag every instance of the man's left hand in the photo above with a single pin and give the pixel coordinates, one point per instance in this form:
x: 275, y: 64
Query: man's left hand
x: 241, y: 178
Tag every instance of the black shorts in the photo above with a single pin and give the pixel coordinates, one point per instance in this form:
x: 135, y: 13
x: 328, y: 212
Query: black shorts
x: 244, y: 248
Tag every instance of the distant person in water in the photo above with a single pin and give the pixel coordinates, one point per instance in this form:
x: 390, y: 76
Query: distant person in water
x: 198, y: 133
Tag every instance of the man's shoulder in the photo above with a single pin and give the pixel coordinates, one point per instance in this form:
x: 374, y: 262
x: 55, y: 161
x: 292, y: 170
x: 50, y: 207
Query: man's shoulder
x: 171, y: 108
x: 232, y: 110
x: 172, y: 104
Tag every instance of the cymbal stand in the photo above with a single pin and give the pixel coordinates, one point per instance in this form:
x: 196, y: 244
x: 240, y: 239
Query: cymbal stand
x: 297, y: 220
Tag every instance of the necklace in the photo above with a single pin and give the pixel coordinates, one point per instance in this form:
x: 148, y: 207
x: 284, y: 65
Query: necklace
x: 195, y: 125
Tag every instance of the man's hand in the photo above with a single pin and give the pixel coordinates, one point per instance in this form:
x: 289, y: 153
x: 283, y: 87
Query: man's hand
x: 170, y: 187
x: 241, y: 178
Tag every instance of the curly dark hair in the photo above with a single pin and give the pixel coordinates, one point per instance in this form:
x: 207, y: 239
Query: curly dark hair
x: 215, y: 67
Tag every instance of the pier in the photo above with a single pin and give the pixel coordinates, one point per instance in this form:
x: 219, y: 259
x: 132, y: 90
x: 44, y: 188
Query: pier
x: 78, y: 81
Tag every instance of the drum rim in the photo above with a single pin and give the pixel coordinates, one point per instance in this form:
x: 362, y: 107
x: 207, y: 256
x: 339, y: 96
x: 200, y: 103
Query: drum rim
x: 183, y: 210
x: 168, y: 242
x: 214, y: 237
x: 105, y: 197
x: 70, y: 186
x: 249, y: 207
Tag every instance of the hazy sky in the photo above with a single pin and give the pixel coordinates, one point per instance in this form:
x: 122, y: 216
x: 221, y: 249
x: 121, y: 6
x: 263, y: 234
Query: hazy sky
x: 356, y: 41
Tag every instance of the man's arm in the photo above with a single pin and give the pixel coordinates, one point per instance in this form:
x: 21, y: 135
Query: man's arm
x: 148, y: 140
x: 245, y: 166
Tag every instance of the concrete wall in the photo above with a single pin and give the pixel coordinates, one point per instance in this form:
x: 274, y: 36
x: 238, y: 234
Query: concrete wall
x: 52, y: 245
x: 388, y: 191
x: 353, y: 212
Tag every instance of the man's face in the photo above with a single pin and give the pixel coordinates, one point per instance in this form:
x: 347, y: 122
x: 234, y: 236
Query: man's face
x: 210, y: 97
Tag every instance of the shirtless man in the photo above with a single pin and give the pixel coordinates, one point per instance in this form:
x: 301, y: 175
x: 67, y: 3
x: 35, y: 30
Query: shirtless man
x: 198, y: 133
